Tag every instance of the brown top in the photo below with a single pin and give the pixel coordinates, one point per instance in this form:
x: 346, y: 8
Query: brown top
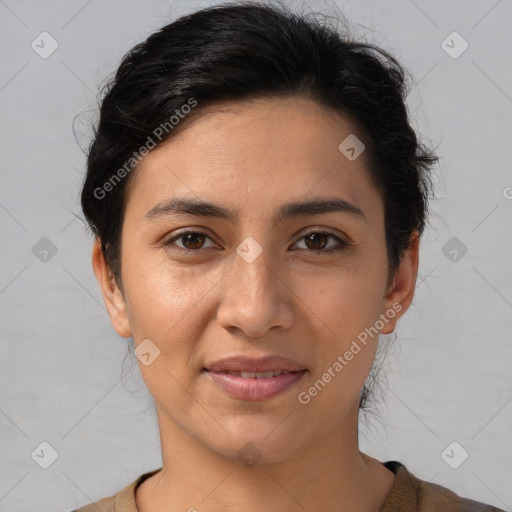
x: 408, y: 494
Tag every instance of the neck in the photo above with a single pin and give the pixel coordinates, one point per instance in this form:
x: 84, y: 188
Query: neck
x: 329, y: 474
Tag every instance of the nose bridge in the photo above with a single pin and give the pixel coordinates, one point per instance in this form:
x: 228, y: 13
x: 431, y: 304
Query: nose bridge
x: 252, y: 269
x: 253, y: 297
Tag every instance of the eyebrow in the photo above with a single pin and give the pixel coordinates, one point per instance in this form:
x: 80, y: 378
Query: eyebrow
x: 184, y: 206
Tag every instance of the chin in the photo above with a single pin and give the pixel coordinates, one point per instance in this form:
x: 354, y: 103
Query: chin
x: 260, y: 443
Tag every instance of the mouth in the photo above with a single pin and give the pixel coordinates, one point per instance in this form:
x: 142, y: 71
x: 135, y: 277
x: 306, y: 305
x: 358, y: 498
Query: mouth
x: 254, y: 378
x: 255, y: 386
x: 239, y: 364
x: 253, y: 375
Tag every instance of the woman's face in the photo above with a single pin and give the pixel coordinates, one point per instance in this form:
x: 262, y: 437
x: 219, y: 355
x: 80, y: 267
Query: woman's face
x: 253, y: 285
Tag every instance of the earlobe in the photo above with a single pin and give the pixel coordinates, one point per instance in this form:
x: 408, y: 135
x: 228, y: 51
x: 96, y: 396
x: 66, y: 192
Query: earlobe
x: 112, y: 295
x: 401, y: 292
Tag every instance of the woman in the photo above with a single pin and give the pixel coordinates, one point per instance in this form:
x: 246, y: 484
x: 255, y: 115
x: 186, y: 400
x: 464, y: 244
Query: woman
x: 257, y: 196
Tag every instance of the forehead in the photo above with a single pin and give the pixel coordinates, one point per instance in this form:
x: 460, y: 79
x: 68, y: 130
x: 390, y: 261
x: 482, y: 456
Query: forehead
x: 290, y: 126
x: 262, y: 150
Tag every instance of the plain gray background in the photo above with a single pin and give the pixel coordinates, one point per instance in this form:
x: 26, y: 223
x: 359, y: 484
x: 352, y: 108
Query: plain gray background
x: 448, y: 376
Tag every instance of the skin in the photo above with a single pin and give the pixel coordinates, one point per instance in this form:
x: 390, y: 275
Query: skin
x: 292, y: 301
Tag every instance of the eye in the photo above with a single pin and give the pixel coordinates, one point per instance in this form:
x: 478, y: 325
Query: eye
x: 315, y: 242
x: 192, y: 240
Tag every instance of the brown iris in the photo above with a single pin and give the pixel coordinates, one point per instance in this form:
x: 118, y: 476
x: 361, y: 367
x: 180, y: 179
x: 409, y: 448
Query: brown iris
x: 314, y: 237
x: 195, y: 239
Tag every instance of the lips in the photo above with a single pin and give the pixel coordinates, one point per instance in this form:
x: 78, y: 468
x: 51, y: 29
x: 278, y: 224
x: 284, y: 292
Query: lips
x: 257, y: 375
x: 261, y: 367
x: 255, y: 379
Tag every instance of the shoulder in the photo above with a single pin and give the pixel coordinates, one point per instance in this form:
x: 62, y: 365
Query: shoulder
x: 123, y: 501
x: 103, y: 505
x: 409, y: 493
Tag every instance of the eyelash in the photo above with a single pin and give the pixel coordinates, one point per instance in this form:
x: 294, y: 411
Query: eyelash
x: 341, y: 247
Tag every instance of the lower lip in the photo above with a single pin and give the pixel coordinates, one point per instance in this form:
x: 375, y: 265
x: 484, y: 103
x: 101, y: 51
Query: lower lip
x: 255, y: 389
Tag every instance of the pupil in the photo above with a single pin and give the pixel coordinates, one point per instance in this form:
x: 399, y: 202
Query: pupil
x: 311, y: 238
x: 193, y: 237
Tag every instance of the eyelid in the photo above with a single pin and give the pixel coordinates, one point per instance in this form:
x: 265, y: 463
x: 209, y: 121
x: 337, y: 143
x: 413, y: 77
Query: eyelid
x: 327, y: 231
x: 186, y: 231
x: 341, y: 242
x: 341, y: 245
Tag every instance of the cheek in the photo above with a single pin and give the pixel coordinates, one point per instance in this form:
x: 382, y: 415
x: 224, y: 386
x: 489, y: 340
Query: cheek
x: 346, y: 299
x: 166, y: 306
x: 344, y: 315
x: 169, y: 305
x: 159, y: 294
x: 344, y: 308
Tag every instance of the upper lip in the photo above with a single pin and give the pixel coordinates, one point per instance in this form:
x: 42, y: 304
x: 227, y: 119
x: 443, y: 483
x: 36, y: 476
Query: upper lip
x: 261, y: 364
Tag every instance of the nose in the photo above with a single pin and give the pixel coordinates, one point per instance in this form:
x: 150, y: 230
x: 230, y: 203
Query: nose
x: 255, y: 298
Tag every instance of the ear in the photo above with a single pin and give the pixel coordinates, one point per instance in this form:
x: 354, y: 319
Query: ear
x: 401, y: 291
x: 114, y: 300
